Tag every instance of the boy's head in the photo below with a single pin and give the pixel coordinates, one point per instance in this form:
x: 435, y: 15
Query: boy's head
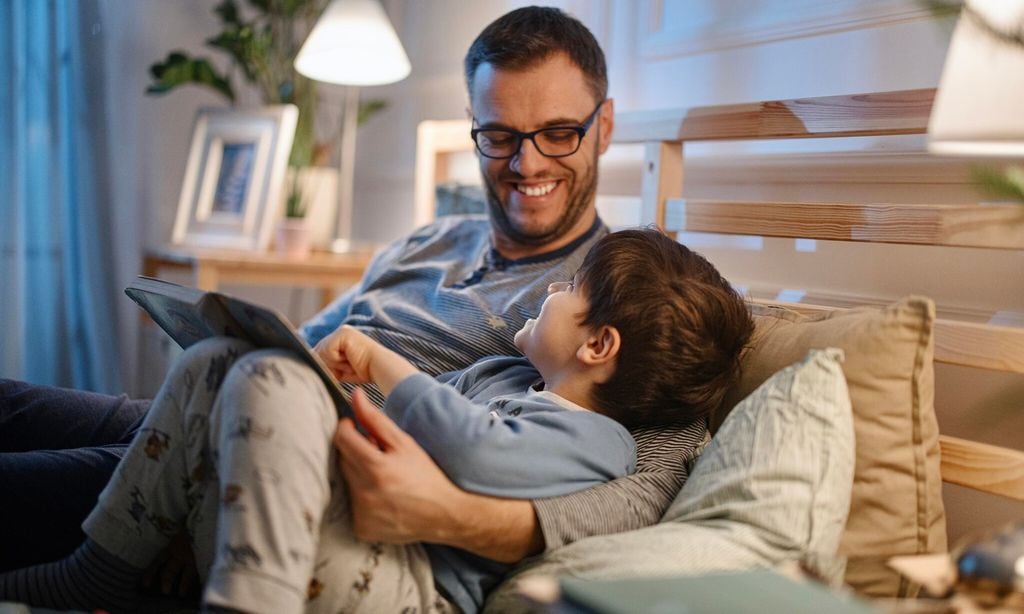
x: 674, y: 327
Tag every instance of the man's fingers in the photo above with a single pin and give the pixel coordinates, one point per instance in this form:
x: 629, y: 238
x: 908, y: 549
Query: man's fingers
x: 376, y: 423
x: 352, y: 444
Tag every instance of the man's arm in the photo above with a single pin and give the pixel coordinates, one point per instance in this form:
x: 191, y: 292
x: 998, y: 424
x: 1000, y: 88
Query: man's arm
x: 400, y: 496
x: 630, y: 503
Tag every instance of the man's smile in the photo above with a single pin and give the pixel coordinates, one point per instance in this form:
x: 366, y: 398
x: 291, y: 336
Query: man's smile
x: 536, y: 189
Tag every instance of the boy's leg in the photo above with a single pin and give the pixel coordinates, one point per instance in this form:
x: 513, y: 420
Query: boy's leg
x: 284, y: 538
x: 356, y: 576
x: 167, y: 469
x: 271, y: 432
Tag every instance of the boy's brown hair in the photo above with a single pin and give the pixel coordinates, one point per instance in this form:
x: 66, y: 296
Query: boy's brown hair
x: 682, y: 327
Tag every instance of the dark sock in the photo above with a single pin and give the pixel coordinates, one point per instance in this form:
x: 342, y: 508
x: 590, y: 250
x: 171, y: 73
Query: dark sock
x: 89, y: 578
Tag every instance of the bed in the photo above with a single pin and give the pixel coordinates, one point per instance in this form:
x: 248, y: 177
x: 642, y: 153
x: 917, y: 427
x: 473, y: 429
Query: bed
x: 892, y: 349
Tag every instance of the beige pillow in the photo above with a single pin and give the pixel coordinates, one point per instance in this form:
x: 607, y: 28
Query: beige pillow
x: 896, y: 505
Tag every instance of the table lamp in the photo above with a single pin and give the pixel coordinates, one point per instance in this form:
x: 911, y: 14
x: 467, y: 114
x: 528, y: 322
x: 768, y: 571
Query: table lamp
x: 352, y: 44
x: 979, y: 106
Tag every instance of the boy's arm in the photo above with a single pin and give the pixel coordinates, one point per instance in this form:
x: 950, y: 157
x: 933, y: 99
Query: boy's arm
x: 529, y: 451
x: 399, y: 495
x: 353, y: 357
x: 407, y: 498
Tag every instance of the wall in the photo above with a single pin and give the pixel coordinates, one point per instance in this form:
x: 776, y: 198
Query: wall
x: 662, y: 53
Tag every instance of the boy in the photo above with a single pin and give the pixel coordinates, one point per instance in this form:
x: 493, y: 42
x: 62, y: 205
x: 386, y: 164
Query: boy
x: 646, y: 332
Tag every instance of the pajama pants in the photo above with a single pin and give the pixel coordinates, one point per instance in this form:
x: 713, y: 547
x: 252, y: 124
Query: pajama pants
x: 237, y: 449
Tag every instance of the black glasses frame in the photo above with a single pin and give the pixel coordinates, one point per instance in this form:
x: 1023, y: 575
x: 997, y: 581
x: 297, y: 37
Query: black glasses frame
x: 580, y: 130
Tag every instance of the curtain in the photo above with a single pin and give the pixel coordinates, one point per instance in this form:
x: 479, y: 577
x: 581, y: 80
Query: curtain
x: 56, y: 259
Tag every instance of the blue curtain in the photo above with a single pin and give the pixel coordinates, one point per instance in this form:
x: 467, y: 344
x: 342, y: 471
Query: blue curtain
x: 56, y: 261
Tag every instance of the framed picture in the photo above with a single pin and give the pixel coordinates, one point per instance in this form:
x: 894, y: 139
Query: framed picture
x: 232, y: 192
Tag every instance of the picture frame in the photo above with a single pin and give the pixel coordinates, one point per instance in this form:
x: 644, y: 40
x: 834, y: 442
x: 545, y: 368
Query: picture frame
x: 232, y: 191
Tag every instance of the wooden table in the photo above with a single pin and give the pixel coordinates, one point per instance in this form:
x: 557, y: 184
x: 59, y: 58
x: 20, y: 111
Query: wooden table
x: 212, y: 267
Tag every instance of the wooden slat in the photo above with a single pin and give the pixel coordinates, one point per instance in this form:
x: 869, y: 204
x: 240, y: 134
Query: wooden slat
x: 966, y: 344
x: 998, y: 226
x: 883, y: 113
x: 662, y: 179
x: 983, y: 467
x: 984, y: 346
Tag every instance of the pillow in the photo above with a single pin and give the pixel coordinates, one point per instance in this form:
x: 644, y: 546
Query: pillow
x: 896, y: 505
x: 774, y: 485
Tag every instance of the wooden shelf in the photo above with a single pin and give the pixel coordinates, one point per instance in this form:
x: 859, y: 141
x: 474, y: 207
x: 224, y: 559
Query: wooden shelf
x: 210, y: 268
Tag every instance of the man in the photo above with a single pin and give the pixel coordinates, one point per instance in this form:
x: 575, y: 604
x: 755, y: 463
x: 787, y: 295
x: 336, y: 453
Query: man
x: 445, y: 296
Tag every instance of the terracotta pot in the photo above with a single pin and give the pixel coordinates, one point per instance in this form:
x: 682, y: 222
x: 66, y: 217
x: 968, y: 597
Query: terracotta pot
x: 293, y: 238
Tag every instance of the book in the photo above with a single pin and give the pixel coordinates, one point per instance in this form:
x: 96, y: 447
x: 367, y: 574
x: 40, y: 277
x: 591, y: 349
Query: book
x: 189, y: 315
x: 760, y: 591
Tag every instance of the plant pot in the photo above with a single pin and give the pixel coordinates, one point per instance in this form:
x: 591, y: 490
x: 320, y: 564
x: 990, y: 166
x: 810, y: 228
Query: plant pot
x: 293, y: 238
x: 319, y: 187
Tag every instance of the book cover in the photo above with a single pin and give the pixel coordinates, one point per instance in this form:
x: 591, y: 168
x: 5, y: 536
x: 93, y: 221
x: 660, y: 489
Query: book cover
x: 189, y: 315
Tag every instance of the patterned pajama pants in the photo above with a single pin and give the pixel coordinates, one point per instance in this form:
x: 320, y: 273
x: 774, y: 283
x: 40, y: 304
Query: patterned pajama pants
x: 237, y: 449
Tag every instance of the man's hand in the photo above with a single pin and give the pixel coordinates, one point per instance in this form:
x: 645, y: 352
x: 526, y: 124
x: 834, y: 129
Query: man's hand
x: 399, y: 495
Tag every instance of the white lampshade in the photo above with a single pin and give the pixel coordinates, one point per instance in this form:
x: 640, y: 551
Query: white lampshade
x: 979, y: 107
x: 353, y: 43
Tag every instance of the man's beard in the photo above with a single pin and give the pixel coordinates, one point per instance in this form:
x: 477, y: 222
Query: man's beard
x: 575, y: 207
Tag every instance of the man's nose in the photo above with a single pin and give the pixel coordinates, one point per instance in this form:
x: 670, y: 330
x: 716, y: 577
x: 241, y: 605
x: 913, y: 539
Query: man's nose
x: 529, y: 160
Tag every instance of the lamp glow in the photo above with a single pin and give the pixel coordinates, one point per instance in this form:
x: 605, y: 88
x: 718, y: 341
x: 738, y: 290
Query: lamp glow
x: 354, y: 44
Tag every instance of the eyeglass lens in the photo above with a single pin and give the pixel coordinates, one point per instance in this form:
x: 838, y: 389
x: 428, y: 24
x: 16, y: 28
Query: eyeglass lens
x: 550, y: 142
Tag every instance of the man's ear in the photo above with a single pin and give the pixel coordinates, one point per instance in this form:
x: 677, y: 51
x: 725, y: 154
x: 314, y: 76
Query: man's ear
x: 606, y: 120
x: 601, y: 347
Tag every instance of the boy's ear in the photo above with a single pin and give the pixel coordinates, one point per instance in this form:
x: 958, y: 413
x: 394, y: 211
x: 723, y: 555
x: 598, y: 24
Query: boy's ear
x: 601, y: 347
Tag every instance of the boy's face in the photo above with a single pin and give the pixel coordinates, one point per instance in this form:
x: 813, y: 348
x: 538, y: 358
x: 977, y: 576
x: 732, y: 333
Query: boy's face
x: 537, y: 201
x: 551, y: 341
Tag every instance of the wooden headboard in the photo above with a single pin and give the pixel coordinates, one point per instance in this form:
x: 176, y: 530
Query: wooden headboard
x: 976, y: 465
x: 664, y: 133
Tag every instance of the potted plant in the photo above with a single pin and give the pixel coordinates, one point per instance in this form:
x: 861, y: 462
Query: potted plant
x: 261, y: 43
x: 292, y: 237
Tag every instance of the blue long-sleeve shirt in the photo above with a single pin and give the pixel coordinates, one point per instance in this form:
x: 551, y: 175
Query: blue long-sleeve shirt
x: 493, y: 433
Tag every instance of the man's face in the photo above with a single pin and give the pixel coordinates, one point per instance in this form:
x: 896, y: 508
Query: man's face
x: 539, y: 203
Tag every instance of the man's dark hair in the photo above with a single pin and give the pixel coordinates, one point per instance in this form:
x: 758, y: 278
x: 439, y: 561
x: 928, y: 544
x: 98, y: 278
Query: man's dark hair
x: 682, y: 328
x: 526, y: 36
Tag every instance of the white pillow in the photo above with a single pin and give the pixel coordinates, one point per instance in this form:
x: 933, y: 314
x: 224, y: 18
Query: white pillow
x: 773, y: 485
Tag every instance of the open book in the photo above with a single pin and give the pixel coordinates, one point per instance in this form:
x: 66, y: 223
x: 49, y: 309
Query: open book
x: 189, y: 315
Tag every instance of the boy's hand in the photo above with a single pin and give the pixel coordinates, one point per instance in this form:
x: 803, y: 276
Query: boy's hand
x: 348, y: 354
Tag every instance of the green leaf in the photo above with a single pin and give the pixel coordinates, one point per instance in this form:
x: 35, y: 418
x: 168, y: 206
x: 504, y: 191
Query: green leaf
x: 942, y: 9
x: 180, y: 69
x: 369, y: 108
x: 1000, y: 183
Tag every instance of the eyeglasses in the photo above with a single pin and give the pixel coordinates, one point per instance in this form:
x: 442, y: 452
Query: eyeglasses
x: 553, y: 142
